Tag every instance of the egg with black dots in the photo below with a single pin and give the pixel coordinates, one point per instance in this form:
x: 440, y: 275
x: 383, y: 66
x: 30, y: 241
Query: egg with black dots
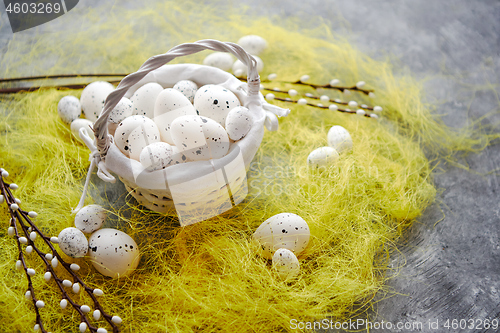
x: 188, y: 88
x: 121, y: 111
x: 238, y: 123
x: 90, y: 218
x: 134, y: 133
x: 143, y: 100
x: 73, y: 242
x: 284, y: 230
x: 199, y: 138
x: 93, y: 97
x: 113, y: 253
x: 156, y: 156
x: 215, y: 102
x: 286, y: 264
x: 69, y: 109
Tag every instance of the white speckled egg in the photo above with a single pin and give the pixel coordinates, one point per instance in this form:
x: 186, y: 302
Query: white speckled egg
x: 340, y: 139
x: 90, y: 218
x: 69, y: 109
x: 93, y: 97
x: 238, y: 123
x: 73, y: 242
x: 285, y: 230
x: 221, y: 60
x: 239, y: 67
x: 170, y: 104
x: 144, y: 98
x: 253, y: 44
x: 177, y: 156
x: 187, y: 88
x: 286, y: 264
x: 134, y: 133
x: 156, y: 156
x: 215, y: 102
x: 81, y: 123
x: 113, y: 253
x: 121, y: 111
x: 199, y: 138
x: 322, y: 157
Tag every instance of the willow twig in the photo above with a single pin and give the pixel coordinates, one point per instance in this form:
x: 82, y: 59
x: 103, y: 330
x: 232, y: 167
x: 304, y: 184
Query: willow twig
x: 26, y: 232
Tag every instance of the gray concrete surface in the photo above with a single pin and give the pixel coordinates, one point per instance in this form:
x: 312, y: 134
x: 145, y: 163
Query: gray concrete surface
x: 451, y: 269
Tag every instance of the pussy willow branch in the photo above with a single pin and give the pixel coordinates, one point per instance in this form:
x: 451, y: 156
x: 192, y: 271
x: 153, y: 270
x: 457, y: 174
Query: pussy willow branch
x: 325, y: 86
x: 17, y: 217
x: 317, y: 97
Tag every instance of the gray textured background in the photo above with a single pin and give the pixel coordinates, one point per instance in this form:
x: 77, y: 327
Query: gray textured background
x: 452, y: 268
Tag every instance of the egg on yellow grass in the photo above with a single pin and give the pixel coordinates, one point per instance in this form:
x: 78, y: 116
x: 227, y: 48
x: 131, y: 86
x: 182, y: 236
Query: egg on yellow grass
x: 285, y: 230
x: 113, y: 253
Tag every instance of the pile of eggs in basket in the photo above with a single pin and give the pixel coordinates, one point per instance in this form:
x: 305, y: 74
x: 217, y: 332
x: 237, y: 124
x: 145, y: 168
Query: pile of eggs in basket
x: 161, y: 127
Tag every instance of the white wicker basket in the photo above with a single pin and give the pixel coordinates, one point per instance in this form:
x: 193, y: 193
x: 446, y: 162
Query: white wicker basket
x: 196, y: 190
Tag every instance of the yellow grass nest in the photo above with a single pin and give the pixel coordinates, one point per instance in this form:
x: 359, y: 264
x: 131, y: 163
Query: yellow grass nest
x: 207, y: 277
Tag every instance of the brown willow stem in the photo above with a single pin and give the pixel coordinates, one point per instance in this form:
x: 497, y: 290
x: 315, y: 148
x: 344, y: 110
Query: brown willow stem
x: 57, y: 76
x: 59, y: 87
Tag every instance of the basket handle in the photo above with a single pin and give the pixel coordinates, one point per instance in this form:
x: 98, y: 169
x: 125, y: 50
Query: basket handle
x: 103, y: 139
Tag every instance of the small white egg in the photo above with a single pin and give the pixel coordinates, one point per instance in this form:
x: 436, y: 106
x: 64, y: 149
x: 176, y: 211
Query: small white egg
x: 199, y: 138
x: 221, y: 60
x: 286, y: 264
x: 170, y: 104
x: 188, y: 88
x: 134, y: 133
x: 322, y: 157
x: 240, y: 67
x: 215, y: 102
x: 81, y: 123
x: 144, y: 98
x: 285, y: 230
x: 340, y: 139
x: 113, y: 253
x: 121, y: 111
x: 93, y: 97
x: 69, y: 109
x: 90, y: 218
x: 156, y: 156
x: 238, y: 123
x: 253, y: 44
x: 73, y: 242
